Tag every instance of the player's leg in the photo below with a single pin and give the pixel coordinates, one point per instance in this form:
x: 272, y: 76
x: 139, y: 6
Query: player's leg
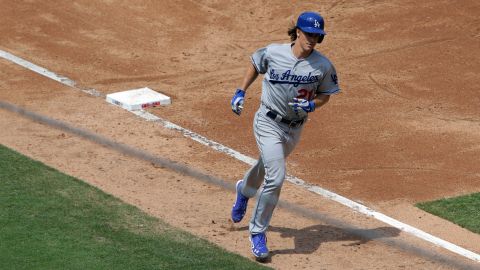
x: 264, y: 131
x: 274, y: 154
x: 274, y: 163
x: 269, y: 195
x: 253, y: 179
x: 270, y: 139
x: 275, y: 142
x: 292, y: 140
x: 248, y: 186
x: 246, y: 189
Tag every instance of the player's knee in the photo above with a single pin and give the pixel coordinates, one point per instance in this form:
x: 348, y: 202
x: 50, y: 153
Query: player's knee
x: 249, y: 191
x: 275, y: 173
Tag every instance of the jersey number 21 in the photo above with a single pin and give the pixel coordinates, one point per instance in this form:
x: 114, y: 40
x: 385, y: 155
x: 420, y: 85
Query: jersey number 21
x: 305, y: 94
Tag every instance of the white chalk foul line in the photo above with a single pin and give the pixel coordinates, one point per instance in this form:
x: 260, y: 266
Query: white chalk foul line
x: 318, y: 190
x: 297, y: 181
x: 42, y: 71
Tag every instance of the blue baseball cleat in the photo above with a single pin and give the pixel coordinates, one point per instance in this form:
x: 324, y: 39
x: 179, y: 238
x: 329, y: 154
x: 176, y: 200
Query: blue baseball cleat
x: 259, y: 246
x: 240, y: 206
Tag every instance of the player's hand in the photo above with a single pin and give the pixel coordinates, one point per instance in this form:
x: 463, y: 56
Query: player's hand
x: 306, y: 105
x: 237, y: 101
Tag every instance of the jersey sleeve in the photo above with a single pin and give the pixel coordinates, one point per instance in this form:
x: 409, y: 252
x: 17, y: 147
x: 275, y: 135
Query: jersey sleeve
x: 329, y: 84
x: 260, y: 60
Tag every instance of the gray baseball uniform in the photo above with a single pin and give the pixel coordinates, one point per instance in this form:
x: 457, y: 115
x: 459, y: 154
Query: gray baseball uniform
x: 285, y: 78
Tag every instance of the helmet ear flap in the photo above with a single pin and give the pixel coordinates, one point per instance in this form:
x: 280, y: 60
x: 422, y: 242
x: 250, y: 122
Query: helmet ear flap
x: 320, y: 39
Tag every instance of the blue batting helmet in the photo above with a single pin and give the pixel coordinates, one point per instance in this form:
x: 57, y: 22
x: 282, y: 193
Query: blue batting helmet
x: 311, y: 22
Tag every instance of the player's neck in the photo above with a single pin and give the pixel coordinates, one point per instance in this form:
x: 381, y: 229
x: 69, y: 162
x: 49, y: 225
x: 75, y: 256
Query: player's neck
x: 299, y: 52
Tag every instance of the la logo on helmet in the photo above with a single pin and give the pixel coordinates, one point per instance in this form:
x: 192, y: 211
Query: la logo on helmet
x: 317, y: 24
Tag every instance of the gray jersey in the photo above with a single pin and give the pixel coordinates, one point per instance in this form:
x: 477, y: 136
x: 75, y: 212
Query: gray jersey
x: 287, y: 77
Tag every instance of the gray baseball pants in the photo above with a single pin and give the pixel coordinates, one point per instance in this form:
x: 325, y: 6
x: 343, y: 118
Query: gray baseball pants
x: 275, y: 142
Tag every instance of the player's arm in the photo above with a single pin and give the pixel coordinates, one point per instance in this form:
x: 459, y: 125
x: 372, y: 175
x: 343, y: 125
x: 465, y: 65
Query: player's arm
x: 237, y: 101
x: 320, y: 100
x: 250, y: 75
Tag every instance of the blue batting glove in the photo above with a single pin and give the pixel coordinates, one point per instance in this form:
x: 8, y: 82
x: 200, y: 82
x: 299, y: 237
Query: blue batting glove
x: 306, y: 105
x: 237, y: 101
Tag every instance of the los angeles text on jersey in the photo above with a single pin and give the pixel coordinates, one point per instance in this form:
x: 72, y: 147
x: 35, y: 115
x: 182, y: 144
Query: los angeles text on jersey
x: 288, y: 78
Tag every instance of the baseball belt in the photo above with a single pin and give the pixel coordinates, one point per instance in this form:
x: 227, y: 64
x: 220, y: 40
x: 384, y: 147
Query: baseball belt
x: 278, y: 118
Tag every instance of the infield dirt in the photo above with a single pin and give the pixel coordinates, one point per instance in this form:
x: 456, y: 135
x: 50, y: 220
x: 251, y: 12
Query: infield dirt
x: 404, y: 129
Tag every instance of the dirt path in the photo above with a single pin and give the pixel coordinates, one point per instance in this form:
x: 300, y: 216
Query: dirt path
x: 395, y: 136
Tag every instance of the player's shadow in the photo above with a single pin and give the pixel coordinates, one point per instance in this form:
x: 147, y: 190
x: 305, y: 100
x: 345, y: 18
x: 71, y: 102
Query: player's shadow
x: 309, y: 239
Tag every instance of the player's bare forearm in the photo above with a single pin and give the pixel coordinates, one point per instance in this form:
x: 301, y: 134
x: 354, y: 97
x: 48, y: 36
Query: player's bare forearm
x: 250, y: 75
x: 321, y: 100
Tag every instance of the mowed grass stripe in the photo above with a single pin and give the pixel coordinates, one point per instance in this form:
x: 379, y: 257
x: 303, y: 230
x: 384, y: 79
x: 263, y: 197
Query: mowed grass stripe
x: 49, y: 220
x: 463, y: 210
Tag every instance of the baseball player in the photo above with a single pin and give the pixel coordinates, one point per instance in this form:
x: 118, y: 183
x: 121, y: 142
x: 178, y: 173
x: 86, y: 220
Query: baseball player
x: 297, y: 81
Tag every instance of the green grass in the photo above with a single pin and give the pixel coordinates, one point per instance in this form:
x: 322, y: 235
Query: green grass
x: 463, y: 210
x: 49, y: 220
